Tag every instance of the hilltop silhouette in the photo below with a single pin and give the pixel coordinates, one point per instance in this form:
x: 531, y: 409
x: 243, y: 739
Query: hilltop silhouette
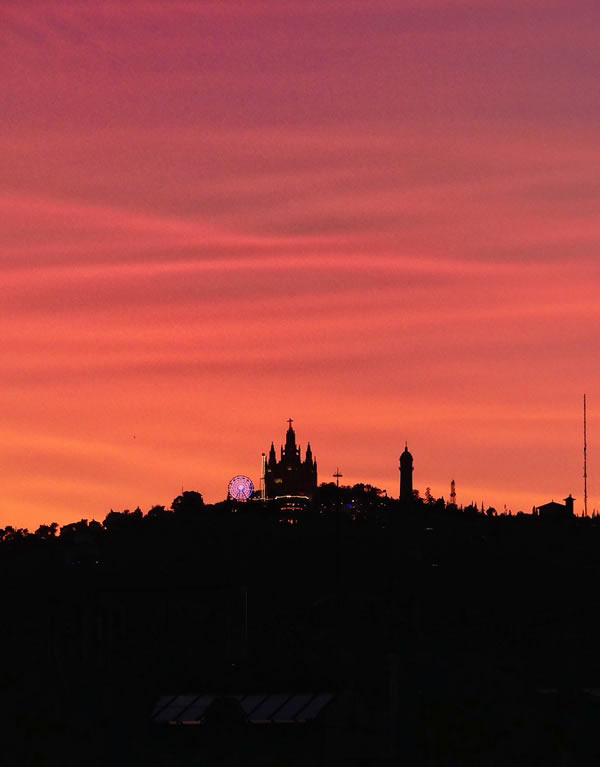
x: 445, y: 635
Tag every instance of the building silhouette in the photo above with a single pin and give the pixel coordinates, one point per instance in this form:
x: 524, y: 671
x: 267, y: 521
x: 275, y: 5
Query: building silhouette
x: 554, y: 509
x: 406, y: 476
x: 290, y: 475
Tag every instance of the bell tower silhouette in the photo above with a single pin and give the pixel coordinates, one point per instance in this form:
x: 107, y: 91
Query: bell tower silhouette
x: 406, y: 476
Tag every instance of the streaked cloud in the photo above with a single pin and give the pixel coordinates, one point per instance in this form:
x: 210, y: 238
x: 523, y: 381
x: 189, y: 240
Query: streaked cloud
x: 378, y: 218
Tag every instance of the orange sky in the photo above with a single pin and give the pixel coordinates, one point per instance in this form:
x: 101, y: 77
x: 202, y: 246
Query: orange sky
x: 379, y: 218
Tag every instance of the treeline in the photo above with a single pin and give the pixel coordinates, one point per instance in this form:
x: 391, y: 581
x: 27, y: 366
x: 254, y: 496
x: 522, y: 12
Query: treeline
x: 359, y: 521
x: 357, y: 501
x: 476, y: 612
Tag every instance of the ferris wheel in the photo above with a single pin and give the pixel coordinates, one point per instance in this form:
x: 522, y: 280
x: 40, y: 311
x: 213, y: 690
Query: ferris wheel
x: 240, y: 488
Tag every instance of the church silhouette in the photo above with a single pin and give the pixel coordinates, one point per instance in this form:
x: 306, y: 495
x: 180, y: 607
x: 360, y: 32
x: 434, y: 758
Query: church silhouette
x: 290, y: 475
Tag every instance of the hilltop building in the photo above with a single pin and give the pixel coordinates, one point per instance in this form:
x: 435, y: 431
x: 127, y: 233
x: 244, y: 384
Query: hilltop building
x: 406, y: 476
x: 554, y: 509
x: 290, y: 475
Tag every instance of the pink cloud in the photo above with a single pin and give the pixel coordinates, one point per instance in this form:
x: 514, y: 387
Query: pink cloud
x: 378, y: 218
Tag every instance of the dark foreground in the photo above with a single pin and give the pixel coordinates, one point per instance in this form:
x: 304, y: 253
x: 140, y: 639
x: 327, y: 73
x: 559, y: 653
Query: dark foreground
x: 441, y: 638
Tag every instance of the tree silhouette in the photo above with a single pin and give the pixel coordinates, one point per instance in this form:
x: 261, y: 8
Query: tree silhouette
x: 158, y: 512
x: 189, y: 502
x: 124, y: 521
x: 45, y: 532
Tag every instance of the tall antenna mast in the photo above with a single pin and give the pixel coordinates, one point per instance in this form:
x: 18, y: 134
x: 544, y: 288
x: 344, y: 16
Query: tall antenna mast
x: 453, y: 493
x: 585, y: 496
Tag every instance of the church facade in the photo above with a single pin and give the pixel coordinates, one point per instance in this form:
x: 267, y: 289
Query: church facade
x: 290, y: 475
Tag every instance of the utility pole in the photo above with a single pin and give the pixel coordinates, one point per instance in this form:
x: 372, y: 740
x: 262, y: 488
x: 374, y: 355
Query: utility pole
x: 337, y: 476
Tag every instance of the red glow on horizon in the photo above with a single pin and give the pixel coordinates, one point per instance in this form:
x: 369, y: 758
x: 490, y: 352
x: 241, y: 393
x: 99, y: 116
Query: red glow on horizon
x: 379, y: 218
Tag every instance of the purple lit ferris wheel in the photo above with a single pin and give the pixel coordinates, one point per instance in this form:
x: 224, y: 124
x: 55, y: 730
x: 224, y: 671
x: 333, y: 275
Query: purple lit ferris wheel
x: 240, y: 488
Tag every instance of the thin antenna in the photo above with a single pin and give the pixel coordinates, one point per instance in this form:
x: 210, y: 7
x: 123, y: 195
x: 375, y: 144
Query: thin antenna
x: 585, y: 494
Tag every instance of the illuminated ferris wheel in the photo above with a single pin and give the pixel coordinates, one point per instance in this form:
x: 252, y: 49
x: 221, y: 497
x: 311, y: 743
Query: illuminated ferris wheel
x: 240, y: 488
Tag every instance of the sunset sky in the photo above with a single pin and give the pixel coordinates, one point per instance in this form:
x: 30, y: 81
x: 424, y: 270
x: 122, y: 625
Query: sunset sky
x: 379, y: 218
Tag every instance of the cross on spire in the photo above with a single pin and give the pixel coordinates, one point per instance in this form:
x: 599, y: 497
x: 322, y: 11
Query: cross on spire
x: 290, y: 421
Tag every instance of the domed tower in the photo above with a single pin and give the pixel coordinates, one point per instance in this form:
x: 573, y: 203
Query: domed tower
x: 406, y: 476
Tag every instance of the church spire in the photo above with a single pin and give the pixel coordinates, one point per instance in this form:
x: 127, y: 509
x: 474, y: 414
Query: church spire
x: 290, y: 439
x: 309, y: 458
